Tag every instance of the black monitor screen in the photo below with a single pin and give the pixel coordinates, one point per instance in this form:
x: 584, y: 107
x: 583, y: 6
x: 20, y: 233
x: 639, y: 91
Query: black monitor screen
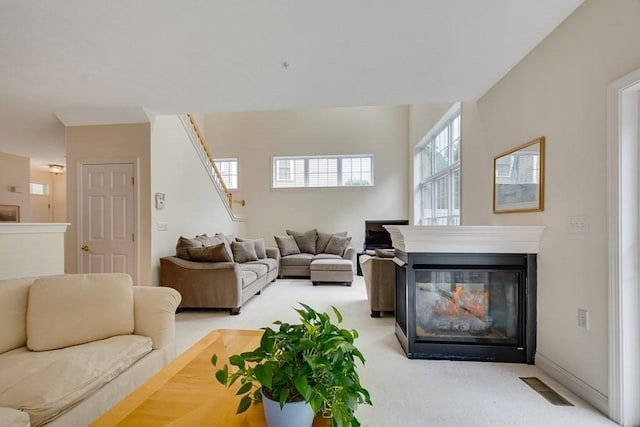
x: 376, y: 236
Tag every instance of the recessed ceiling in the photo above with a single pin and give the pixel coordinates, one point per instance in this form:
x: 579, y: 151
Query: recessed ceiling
x: 91, y: 62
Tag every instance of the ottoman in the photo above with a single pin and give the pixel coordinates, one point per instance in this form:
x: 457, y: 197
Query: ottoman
x: 331, y: 270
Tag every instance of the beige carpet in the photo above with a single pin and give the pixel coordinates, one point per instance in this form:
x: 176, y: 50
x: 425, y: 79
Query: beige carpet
x: 405, y: 393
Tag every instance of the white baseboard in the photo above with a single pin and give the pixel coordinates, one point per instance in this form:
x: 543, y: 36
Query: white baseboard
x: 573, y: 383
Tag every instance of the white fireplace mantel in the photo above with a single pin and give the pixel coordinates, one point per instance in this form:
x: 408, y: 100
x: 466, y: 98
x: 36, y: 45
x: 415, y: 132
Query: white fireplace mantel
x: 466, y: 239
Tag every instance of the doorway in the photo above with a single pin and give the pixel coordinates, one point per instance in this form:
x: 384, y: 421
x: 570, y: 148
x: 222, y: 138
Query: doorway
x: 624, y: 225
x: 107, y: 218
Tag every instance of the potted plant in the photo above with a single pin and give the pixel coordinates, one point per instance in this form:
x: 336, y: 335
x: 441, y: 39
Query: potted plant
x: 313, y: 361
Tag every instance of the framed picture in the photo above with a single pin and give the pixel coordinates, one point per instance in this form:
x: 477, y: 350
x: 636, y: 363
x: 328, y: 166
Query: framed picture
x: 518, y: 178
x: 9, y: 213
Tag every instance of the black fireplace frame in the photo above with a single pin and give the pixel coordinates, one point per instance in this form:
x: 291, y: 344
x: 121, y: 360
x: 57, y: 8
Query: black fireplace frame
x: 424, y: 348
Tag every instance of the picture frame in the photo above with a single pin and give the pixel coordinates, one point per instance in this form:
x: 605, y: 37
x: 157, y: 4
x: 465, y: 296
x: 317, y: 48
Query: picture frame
x: 9, y: 213
x: 518, y: 178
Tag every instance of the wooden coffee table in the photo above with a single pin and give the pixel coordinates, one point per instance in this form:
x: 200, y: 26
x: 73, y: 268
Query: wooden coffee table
x: 186, y: 393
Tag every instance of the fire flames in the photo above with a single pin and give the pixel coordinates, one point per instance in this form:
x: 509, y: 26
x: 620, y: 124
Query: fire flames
x: 463, y: 303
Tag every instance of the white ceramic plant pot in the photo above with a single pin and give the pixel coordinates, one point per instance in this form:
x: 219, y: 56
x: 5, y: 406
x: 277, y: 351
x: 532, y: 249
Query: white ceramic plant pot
x: 293, y: 414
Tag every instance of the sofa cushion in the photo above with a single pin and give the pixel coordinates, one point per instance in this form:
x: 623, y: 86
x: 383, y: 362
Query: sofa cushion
x: 271, y: 263
x: 46, y: 384
x: 261, y: 251
x: 248, y: 277
x: 306, y: 241
x: 259, y: 269
x: 297, y: 259
x: 326, y: 256
x: 215, y: 253
x: 287, y: 245
x: 78, y: 308
x: 244, y: 251
x: 10, y: 417
x: 337, y: 245
x: 13, y: 312
x: 184, y: 243
x: 323, y: 240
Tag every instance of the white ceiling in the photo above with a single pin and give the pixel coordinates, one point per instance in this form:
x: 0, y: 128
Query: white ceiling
x: 111, y: 61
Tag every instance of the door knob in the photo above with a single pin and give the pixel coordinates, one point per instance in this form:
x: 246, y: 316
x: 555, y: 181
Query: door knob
x: 85, y: 248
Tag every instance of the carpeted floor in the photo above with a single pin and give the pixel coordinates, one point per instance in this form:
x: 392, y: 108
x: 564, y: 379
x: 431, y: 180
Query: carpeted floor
x: 405, y: 393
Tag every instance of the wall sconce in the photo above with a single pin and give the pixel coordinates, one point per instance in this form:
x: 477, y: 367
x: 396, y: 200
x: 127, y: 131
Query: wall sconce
x: 17, y: 189
x: 56, y: 169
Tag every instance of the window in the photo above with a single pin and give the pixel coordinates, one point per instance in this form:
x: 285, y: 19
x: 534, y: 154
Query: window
x: 39, y: 189
x: 437, y: 173
x: 228, y: 168
x: 323, y: 171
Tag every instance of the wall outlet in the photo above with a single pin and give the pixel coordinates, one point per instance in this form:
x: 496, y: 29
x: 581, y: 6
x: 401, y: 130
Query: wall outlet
x: 162, y: 226
x: 578, y: 224
x: 583, y: 318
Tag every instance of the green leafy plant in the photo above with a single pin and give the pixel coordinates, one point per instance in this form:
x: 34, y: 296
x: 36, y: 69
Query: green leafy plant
x: 314, y: 361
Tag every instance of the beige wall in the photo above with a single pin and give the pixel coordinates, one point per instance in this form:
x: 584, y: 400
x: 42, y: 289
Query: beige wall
x: 111, y: 143
x: 559, y: 91
x: 255, y: 137
x: 192, y: 206
x: 14, y: 171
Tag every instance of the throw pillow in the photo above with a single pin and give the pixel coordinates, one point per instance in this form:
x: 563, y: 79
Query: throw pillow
x: 259, y: 246
x: 337, y: 245
x: 208, y: 240
x: 183, y: 244
x: 287, y: 245
x: 244, y: 251
x: 215, y: 253
x: 306, y: 241
x: 323, y: 240
x: 229, y: 238
x: 227, y: 242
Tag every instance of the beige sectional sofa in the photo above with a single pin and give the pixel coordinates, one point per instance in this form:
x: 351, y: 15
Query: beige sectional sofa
x: 71, y: 346
x: 219, y: 271
x: 299, y: 249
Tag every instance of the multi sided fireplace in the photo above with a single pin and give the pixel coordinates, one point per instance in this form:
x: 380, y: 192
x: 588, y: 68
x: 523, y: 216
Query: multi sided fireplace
x: 474, y: 305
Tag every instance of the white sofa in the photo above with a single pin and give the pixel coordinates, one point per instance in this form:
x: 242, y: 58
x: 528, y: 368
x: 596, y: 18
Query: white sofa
x: 71, y: 346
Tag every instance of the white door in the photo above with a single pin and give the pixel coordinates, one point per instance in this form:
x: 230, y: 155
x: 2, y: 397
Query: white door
x: 107, y: 239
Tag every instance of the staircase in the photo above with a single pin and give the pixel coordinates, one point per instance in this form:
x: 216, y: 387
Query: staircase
x: 198, y: 142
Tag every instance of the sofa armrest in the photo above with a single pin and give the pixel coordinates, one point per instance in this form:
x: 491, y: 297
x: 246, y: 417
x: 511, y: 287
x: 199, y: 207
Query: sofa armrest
x: 273, y: 253
x: 350, y: 254
x: 155, y: 313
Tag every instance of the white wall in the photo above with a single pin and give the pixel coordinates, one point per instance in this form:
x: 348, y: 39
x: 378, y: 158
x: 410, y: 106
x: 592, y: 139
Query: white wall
x: 29, y: 250
x: 255, y: 137
x: 193, y: 206
x: 559, y: 91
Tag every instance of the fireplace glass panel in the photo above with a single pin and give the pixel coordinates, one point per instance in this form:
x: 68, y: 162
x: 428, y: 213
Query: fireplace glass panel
x: 467, y: 306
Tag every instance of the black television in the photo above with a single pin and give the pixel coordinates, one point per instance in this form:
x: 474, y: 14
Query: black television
x: 376, y: 236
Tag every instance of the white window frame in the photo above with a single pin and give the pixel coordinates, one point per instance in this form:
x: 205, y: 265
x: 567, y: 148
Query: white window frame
x: 43, y: 186
x: 425, y: 211
x: 278, y: 181
x: 224, y: 176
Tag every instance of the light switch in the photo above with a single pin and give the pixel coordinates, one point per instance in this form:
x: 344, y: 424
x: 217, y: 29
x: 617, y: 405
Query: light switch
x: 162, y: 226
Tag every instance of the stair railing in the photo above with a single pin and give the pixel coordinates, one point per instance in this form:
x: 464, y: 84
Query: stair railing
x: 199, y: 143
